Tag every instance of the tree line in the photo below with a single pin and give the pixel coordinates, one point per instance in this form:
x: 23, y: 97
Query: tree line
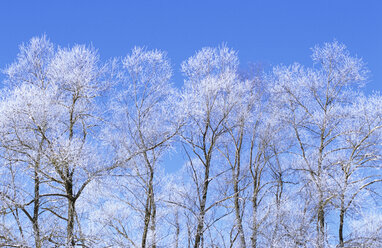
x: 289, y: 157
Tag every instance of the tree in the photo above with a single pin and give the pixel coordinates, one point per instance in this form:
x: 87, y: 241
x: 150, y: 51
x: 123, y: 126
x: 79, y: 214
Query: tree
x: 359, y: 162
x: 78, y: 77
x: 312, y: 100
x: 26, y: 119
x: 48, y: 116
x: 143, y: 123
x: 239, y: 147
x: 208, y: 98
x: 285, y: 159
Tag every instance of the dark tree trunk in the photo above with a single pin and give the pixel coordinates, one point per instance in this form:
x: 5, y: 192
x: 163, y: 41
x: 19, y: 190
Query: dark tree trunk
x: 236, y: 189
x: 237, y: 206
x: 199, y: 230
x: 153, y: 220
x: 150, y: 208
x: 36, y: 208
x: 321, y: 222
x: 146, y: 221
x: 254, y: 220
x: 70, y: 239
x: 341, y: 227
x: 177, y: 227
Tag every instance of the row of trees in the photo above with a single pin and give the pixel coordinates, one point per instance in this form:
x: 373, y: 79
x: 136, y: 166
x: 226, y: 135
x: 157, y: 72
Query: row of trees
x: 286, y: 158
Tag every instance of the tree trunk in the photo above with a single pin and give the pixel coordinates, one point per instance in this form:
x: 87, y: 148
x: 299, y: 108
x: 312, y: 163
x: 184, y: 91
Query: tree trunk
x: 255, y: 173
x: 150, y: 210
x: 36, y: 208
x: 153, y: 219
x: 254, y: 220
x: 321, y: 222
x: 70, y: 226
x: 71, y: 210
x: 146, y: 220
x: 177, y: 229
x: 199, y: 229
x: 279, y: 193
x: 321, y: 205
x: 236, y: 178
x: 341, y: 227
x: 237, y: 206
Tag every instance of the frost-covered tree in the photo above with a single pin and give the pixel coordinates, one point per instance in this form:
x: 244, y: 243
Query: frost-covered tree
x: 245, y: 149
x: 209, y: 96
x: 359, y: 163
x: 143, y: 123
x: 49, y: 112
x: 312, y: 100
x: 288, y: 159
x: 26, y: 121
x: 78, y: 76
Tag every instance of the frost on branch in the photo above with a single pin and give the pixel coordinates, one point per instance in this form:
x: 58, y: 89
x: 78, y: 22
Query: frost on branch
x: 289, y: 158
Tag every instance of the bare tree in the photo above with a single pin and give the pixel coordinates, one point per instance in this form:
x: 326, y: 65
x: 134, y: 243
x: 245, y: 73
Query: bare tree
x: 24, y: 124
x: 209, y: 96
x: 358, y: 165
x: 312, y: 99
x: 143, y: 120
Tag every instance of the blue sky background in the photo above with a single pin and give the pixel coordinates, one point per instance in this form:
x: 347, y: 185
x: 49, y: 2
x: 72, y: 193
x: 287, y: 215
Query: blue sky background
x: 267, y: 31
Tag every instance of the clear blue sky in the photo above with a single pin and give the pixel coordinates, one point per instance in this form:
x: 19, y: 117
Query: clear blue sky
x: 267, y: 31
